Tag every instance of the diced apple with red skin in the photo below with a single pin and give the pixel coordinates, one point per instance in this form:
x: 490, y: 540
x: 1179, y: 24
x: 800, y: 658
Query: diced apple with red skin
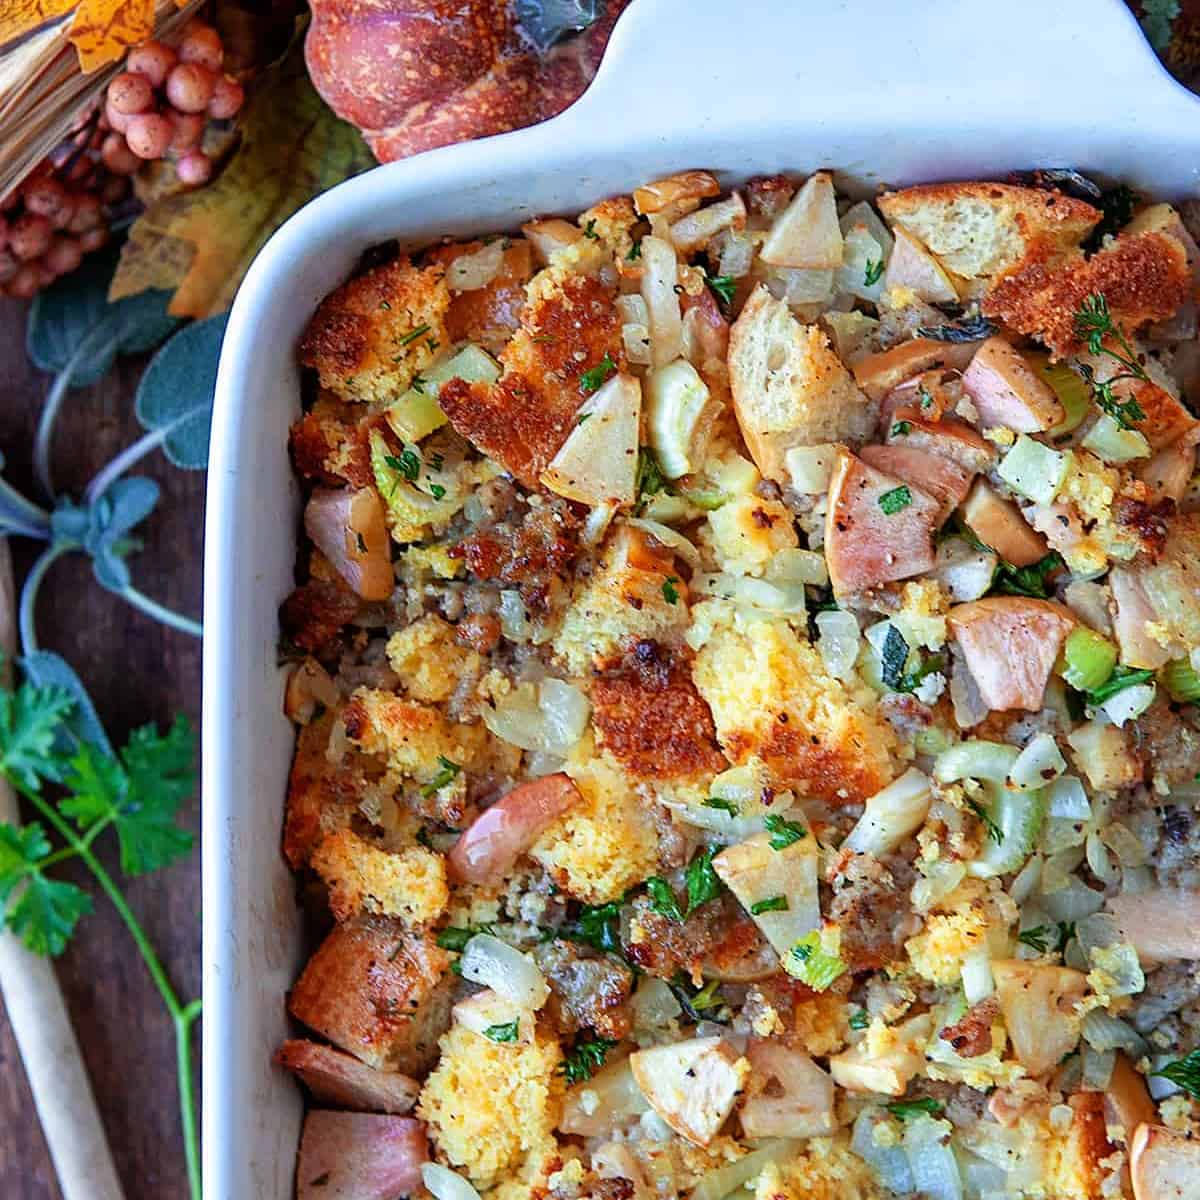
x: 908, y: 425
x: 1008, y: 392
x: 942, y: 479
x: 1133, y: 617
x: 865, y: 545
x: 360, y: 1156
x: 1010, y: 644
x: 1162, y: 925
x: 1163, y: 1164
x: 998, y: 523
x: 491, y: 845
x: 337, y: 1078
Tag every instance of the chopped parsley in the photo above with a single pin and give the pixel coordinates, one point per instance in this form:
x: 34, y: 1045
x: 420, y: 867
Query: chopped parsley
x: 696, y: 1005
x: 859, y: 1019
x: 902, y: 429
x: 448, y: 773
x: 1036, y: 938
x: 589, y: 381
x: 911, y: 680
x: 784, y: 833
x: 994, y: 830
x: 584, y: 1059
x: 703, y: 883
x: 635, y: 251
x: 669, y: 590
x: 892, y: 502
x: 771, y: 904
x: 456, y: 938
x: 892, y: 657
x: 662, y: 898
x: 418, y: 383
x: 812, y: 964
x: 1118, y: 681
x: 724, y: 805
x: 723, y: 287
x: 872, y: 274
x: 650, y: 479
x: 406, y: 462
x: 1184, y: 1073
x: 1033, y: 580
x: 503, y: 1033
x: 914, y: 1108
x: 409, y: 338
x: 579, y: 420
x: 437, y: 491
x: 589, y: 230
x: 598, y: 926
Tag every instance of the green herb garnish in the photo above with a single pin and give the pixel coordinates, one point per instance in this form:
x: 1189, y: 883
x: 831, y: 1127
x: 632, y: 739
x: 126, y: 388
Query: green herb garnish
x: 589, y: 381
x: 902, y: 429
x: 589, y: 230
x: 723, y: 287
x: 406, y: 462
x: 1036, y: 938
x: 771, y: 904
x: 904, y: 1109
x: 893, y: 501
x: 669, y: 590
x: 503, y: 1033
x: 703, y: 883
x: 662, y: 898
x: 598, y: 926
x: 892, y: 657
x: 994, y: 830
x: 724, y: 805
x: 872, y: 274
x: 859, y: 1019
x: 409, y: 338
x: 449, y: 772
x: 437, y: 491
x: 584, y: 1059
x: 1118, y: 681
x: 1184, y: 1073
x: 784, y: 833
x: 1033, y: 580
x: 635, y: 251
x: 1093, y: 324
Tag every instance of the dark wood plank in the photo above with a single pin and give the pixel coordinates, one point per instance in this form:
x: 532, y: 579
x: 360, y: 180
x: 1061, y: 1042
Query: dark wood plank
x: 137, y: 671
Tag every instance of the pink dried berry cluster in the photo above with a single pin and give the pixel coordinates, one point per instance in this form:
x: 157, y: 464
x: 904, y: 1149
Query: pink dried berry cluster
x: 160, y: 104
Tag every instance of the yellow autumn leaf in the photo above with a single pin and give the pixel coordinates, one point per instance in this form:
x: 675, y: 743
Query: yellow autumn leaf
x: 104, y: 30
x: 18, y: 17
x: 202, y: 242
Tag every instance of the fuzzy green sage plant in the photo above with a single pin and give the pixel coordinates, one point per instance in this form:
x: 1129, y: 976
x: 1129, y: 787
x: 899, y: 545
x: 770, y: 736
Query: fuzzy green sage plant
x: 53, y: 748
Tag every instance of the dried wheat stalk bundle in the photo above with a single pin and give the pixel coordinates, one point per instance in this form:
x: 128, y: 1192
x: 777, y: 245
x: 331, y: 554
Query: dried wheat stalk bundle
x: 42, y: 90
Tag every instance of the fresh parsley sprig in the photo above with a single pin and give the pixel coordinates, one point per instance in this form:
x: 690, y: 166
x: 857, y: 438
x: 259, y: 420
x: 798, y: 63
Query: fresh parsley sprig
x: 136, y: 793
x: 584, y: 1059
x: 1184, y: 1073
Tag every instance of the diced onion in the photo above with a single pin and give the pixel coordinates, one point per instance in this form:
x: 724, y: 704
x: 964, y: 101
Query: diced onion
x: 514, y: 622
x: 1026, y: 880
x: 890, y: 1162
x: 1038, y: 764
x: 718, y: 1184
x: 1107, y: 440
x: 660, y: 274
x: 550, y: 717
x: 1103, y: 1031
x: 1068, y: 800
x: 610, y: 1098
x: 941, y: 878
x: 486, y: 1009
x: 798, y: 566
x: 693, y: 232
x: 891, y: 815
x: 445, y: 1184
x: 930, y: 1158
x: 669, y: 537
x: 810, y: 467
x: 632, y: 309
x: 1129, y: 703
x: 654, y: 1008
x: 865, y: 215
x: 737, y: 253
x: 977, y: 976
x: 471, y: 271
x: 1124, y: 843
x: 636, y: 340
x: 801, y: 285
x: 838, y: 642
x: 513, y: 975
x: 862, y: 257
x: 1071, y: 901
x: 966, y: 573
x: 1097, y: 1068
x: 1058, y: 869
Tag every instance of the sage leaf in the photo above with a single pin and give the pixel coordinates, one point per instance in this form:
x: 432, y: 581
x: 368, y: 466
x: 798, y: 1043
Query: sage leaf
x: 44, y: 668
x: 72, y: 324
x: 547, y: 22
x: 175, y: 396
x: 102, y: 528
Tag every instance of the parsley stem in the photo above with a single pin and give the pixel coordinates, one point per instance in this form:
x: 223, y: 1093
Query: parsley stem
x: 29, y: 592
x: 57, y: 857
x: 182, y: 1016
x: 113, y: 470
x: 160, y: 612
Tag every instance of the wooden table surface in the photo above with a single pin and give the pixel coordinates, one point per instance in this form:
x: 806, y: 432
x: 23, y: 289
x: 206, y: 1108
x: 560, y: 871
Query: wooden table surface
x: 137, y: 671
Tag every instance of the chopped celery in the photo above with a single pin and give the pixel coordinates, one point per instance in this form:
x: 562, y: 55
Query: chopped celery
x: 1087, y: 659
x: 810, y: 962
x: 1109, y: 441
x: 1017, y: 820
x: 1033, y: 470
x: 417, y: 413
x: 1181, y: 681
x: 1073, y: 393
x: 975, y: 760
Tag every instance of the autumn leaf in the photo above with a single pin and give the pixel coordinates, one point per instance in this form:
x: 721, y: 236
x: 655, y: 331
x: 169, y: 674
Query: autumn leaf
x: 202, y: 242
x: 103, y: 30
x: 18, y: 17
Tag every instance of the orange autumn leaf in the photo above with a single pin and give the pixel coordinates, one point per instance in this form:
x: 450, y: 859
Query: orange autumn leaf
x: 18, y: 17
x: 103, y: 30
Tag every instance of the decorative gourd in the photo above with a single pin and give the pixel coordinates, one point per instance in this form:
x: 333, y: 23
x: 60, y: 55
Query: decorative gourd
x: 415, y: 74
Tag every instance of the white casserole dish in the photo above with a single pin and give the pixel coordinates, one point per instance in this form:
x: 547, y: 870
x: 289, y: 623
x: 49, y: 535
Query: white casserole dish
x: 886, y: 91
